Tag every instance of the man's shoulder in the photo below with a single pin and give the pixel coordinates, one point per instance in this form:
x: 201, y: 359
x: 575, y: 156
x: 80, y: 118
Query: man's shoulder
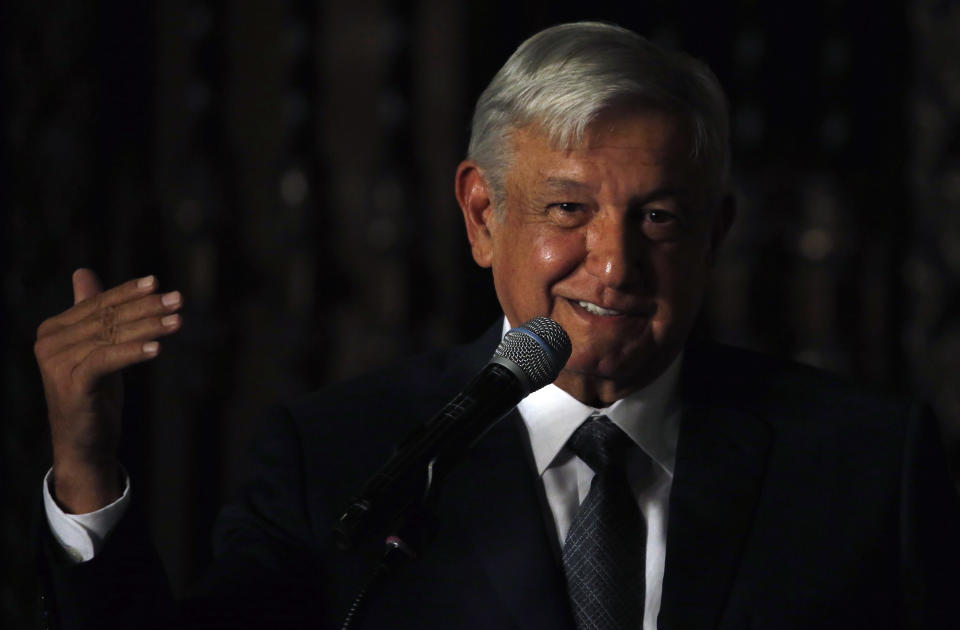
x: 399, y: 393
x: 787, y: 392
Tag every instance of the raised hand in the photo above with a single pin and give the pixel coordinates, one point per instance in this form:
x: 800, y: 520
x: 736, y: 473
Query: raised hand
x: 80, y: 353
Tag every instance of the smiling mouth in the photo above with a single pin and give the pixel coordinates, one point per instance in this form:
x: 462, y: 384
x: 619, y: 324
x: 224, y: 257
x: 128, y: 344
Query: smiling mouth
x: 590, y: 307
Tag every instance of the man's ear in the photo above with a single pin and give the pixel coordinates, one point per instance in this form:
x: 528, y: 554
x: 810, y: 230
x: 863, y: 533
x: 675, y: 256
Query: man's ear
x: 721, y: 224
x: 476, y: 201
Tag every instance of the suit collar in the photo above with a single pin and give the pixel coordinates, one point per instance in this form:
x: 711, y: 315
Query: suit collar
x: 470, y: 358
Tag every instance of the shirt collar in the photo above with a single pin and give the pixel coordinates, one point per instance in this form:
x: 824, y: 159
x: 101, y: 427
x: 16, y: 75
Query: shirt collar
x: 650, y: 416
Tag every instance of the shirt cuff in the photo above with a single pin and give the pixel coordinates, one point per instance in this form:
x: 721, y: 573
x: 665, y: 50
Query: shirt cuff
x: 81, y: 535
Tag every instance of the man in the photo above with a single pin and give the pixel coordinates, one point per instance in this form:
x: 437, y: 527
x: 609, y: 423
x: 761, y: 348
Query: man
x: 657, y: 483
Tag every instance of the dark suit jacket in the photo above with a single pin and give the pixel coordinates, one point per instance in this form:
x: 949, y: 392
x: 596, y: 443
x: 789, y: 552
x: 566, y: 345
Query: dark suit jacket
x: 798, y: 502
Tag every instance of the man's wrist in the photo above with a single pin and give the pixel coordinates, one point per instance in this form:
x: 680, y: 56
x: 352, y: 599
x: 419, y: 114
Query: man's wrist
x: 80, y: 488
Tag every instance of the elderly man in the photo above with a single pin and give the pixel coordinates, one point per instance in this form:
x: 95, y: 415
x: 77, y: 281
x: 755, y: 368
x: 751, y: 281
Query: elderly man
x: 658, y: 483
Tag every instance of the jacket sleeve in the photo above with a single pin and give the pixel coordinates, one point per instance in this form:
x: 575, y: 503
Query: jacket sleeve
x: 930, y: 529
x: 263, y: 572
x: 123, y: 586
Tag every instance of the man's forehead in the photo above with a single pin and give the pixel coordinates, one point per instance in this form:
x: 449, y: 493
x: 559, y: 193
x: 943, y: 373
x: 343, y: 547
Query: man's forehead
x: 655, y: 132
x: 646, y: 147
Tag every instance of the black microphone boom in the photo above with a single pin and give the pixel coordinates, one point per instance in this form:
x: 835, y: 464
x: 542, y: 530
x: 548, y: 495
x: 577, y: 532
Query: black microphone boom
x: 529, y: 357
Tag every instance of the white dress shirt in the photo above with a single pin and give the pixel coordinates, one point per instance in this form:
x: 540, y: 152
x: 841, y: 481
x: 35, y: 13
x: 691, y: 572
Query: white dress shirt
x: 651, y: 417
x: 82, y: 535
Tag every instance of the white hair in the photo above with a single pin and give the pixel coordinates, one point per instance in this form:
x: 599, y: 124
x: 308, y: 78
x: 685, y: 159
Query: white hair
x: 562, y: 78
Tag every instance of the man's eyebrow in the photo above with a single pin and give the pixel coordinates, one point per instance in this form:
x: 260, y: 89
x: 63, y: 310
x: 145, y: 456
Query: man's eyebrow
x: 563, y: 183
x: 667, y: 192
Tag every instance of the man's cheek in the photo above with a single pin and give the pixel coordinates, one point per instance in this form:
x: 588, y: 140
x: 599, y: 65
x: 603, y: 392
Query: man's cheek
x: 548, y: 255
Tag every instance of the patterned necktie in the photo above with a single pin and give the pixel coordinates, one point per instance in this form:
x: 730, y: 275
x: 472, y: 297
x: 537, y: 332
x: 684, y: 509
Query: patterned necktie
x: 604, y: 556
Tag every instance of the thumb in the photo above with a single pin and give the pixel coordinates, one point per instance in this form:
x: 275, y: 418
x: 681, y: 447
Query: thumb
x: 86, y: 284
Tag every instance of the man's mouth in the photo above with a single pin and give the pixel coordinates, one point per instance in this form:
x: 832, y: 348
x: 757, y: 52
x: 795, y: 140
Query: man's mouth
x: 590, y: 307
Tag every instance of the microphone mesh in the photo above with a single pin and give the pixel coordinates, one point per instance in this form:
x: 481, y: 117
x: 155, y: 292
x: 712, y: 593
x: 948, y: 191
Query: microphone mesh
x: 540, y: 360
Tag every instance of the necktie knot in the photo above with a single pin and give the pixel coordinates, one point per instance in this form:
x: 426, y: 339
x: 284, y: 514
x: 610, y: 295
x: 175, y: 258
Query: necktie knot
x: 601, y: 444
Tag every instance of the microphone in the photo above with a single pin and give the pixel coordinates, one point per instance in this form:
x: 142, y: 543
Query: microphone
x: 529, y: 357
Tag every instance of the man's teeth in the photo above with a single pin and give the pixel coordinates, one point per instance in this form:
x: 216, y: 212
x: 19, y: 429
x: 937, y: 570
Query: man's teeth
x: 597, y: 310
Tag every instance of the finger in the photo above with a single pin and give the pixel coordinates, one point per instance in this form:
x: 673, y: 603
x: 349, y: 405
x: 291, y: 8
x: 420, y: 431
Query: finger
x: 106, y: 324
x: 146, y: 306
x: 109, y: 359
x: 74, y: 344
x: 119, y: 294
x: 86, y: 284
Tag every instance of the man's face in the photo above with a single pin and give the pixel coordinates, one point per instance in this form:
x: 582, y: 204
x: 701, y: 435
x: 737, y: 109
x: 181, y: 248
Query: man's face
x: 614, y: 240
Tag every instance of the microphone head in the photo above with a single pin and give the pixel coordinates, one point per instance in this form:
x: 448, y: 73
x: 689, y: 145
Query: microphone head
x: 535, y: 352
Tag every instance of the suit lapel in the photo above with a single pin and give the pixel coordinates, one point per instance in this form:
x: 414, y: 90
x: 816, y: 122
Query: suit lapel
x: 497, y: 498
x: 721, y: 463
x: 501, y: 510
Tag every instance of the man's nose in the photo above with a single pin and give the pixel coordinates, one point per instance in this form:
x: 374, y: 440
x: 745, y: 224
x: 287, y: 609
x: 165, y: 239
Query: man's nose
x: 614, y: 251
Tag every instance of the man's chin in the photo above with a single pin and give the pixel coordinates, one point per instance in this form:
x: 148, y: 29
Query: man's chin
x: 593, y: 388
x: 622, y: 373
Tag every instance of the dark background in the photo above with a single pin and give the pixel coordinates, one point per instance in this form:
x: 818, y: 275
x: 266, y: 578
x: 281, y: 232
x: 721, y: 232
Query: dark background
x: 289, y: 167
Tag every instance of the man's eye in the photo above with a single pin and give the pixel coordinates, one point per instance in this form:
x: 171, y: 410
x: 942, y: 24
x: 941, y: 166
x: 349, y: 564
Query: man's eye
x: 660, y: 216
x: 568, y: 213
x: 661, y: 225
x: 567, y: 206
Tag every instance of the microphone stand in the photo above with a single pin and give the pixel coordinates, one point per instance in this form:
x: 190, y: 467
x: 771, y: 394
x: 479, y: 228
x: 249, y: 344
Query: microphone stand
x: 410, y: 534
